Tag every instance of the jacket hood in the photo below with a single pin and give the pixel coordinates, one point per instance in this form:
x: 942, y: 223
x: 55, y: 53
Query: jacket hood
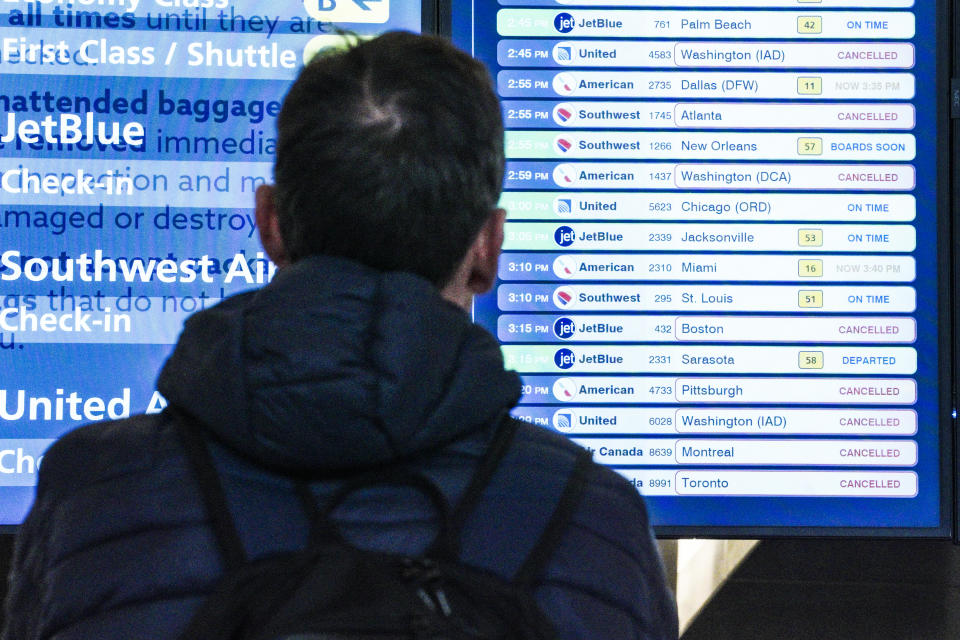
x: 334, y: 366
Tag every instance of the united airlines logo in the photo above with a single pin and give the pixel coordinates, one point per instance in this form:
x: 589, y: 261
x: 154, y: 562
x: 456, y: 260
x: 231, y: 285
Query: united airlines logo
x: 563, y: 420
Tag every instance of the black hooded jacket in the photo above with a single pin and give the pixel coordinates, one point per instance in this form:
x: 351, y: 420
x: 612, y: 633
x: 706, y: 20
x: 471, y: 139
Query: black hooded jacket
x: 331, y: 369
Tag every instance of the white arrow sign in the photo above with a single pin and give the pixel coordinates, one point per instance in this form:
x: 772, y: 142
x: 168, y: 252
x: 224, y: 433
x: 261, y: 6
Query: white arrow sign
x: 157, y: 403
x: 365, y: 11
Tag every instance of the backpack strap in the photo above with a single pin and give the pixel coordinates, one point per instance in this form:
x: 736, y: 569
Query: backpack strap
x: 535, y: 563
x: 447, y: 544
x: 486, y: 467
x: 533, y: 568
x: 323, y: 527
x: 211, y: 492
x: 319, y: 529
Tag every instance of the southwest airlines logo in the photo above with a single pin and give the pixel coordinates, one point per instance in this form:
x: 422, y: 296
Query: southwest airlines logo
x: 562, y: 114
x: 563, y: 297
x: 363, y: 11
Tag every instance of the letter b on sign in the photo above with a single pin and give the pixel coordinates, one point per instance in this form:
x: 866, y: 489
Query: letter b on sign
x: 357, y: 11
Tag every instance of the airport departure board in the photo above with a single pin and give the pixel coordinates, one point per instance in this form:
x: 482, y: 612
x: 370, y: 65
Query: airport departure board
x: 133, y: 134
x: 724, y: 252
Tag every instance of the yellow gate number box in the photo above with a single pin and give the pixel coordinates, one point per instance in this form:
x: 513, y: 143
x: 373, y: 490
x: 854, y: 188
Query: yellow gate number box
x: 811, y: 269
x: 810, y: 85
x: 810, y: 146
x: 810, y: 238
x: 809, y: 24
x: 810, y: 299
x: 811, y: 360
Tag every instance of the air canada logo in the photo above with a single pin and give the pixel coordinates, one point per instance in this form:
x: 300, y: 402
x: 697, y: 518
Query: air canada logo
x: 564, y: 22
x: 564, y: 328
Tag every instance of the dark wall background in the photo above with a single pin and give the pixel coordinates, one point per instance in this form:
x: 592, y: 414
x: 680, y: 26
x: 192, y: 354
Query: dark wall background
x: 6, y: 550
x: 838, y: 590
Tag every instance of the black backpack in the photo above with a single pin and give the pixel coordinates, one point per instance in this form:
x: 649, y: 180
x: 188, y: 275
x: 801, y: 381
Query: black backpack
x: 332, y: 590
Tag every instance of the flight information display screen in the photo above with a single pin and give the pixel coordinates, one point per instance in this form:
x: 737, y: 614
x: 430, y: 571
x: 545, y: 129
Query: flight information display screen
x: 133, y: 134
x: 721, y: 269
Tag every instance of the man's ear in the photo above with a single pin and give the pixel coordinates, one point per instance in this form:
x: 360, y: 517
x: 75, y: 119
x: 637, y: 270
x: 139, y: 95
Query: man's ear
x: 486, y: 253
x: 268, y: 225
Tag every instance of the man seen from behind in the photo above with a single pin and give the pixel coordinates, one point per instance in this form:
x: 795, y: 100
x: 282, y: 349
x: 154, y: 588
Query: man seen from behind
x: 359, y: 355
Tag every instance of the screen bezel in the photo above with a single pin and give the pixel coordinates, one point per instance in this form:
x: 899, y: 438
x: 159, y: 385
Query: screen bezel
x: 948, y: 295
x: 430, y: 16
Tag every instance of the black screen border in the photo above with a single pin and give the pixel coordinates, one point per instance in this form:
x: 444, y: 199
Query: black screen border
x: 431, y: 14
x: 948, y: 294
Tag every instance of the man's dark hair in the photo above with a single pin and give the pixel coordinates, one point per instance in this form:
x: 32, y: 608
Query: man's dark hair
x: 389, y: 153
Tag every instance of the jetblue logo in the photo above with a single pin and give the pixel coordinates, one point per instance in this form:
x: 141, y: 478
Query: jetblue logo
x: 564, y: 358
x: 564, y: 236
x: 563, y: 22
x: 564, y: 328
